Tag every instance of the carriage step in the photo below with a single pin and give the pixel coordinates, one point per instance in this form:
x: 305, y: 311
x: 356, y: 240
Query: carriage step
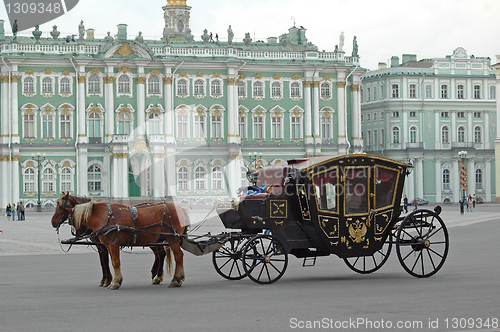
x: 309, y: 261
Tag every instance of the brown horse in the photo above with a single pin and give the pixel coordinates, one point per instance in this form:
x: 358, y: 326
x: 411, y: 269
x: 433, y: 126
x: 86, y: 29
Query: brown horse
x: 115, y: 226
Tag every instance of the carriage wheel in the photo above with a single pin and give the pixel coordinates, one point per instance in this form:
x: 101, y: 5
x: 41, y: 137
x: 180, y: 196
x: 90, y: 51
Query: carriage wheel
x: 422, y: 243
x: 265, y: 259
x: 227, y: 260
x: 369, y: 264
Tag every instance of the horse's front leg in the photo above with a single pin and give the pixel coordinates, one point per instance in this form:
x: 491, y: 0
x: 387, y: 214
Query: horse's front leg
x: 106, y: 272
x: 157, y: 270
x: 179, y: 276
x: 114, y: 252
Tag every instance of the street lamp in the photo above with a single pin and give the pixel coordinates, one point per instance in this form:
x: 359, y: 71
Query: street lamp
x: 463, y: 172
x: 252, y: 174
x: 39, y: 158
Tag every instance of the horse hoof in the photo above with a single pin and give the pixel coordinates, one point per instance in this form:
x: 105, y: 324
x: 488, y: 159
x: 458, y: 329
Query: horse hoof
x: 113, y: 286
x: 106, y: 284
x: 175, y: 283
x: 156, y: 281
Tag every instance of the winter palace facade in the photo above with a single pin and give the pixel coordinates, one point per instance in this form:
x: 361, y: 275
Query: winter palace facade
x: 430, y: 112
x: 123, y: 117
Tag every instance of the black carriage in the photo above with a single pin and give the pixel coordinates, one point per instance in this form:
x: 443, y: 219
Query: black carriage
x: 347, y: 205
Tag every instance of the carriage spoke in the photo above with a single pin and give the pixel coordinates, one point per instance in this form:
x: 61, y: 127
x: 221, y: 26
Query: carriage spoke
x: 430, y: 258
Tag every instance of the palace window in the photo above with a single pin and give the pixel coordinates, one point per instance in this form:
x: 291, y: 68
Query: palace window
x: 479, y: 179
x: 445, y: 135
x: 94, y: 178
x: 477, y: 115
x: 217, y: 178
x: 276, y: 127
x: 368, y: 94
x: 276, y: 90
x: 216, y: 130
x: 326, y: 126
x: 182, y: 126
x: 94, y: 84
x: 154, y: 85
x: 395, y: 91
x: 182, y: 89
x: 94, y: 125
x: 493, y: 92
x: 29, y: 180
x: 413, y: 91
x: 413, y: 134
x: 65, y: 130
x: 47, y: 125
x: 428, y: 91
x: 124, y: 124
x: 325, y: 90
x: 445, y: 114
x: 154, y: 123
x: 124, y: 85
x: 66, y: 176
x: 242, y: 89
x: 375, y: 138
x: 199, y: 87
x: 182, y: 178
x: 461, y: 115
x: 47, y: 85
x: 199, y: 178
x: 461, y: 134
x: 477, y: 92
x: 48, y: 180
x: 29, y: 125
x: 295, y: 90
x: 216, y: 88
x: 29, y: 85
x: 296, y: 125
x: 375, y: 96
x: 444, y: 91
x: 395, y: 135
x: 446, y: 179
x: 65, y: 85
x: 258, y: 127
x: 477, y: 134
x: 242, y: 125
x: 460, y: 92
x: 258, y: 89
x: 200, y: 125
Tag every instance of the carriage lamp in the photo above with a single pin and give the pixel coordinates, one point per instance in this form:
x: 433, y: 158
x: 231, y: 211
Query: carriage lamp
x: 463, y: 172
x: 254, y: 159
x: 39, y: 158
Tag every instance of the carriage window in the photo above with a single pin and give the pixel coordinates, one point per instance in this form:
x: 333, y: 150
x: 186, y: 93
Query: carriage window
x: 325, y: 185
x: 385, y: 185
x: 356, y: 190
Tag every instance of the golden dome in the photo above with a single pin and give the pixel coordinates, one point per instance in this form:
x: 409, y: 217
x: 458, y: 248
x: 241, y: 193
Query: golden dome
x: 176, y: 3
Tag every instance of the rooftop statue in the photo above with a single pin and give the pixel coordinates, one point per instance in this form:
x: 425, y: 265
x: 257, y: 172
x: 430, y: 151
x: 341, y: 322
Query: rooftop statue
x: 354, y: 47
x: 230, y: 36
x: 341, y: 41
x: 54, y: 33
x: 81, y: 31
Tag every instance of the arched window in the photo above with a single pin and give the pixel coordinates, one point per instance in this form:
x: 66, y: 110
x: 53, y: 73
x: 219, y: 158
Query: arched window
x: 217, y: 178
x: 124, y: 124
x: 29, y: 125
x: 479, y: 179
x: 446, y: 179
x: 395, y: 135
x: 325, y: 90
x: 182, y: 87
x: 242, y: 89
x: 477, y: 134
x: 65, y: 85
x: 154, y: 85
x: 29, y: 180
x: 94, y: 125
x: 216, y: 130
x: 29, y: 85
x: 445, y: 135
x: 124, y: 84
x: 413, y: 134
x: 94, y: 178
x: 47, y: 86
x: 460, y: 91
x: 65, y: 125
x: 296, y: 125
x: 477, y: 92
x: 276, y: 126
x: 199, y: 88
x: 154, y: 123
x: 242, y: 125
x: 66, y: 179
x: 199, y: 178
x: 276, y: 90
x: 47, y: 125
x: 413, y: 91
x: 461, y: 134
x: 215, y: 88
x: 182, y: 178
x: 258, y: 89
x: 48, y: 180
x: 94, y: 84
x: 295, y: 90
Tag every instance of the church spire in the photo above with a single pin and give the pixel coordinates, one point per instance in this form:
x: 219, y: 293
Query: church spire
x: 176, y: 3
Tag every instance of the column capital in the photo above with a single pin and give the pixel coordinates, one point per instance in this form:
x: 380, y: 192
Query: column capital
x: 81, y: 78
x: 341, y: 85
x: 307, y: 84
x: 141, y: 79
x: 109, y: 79
x: 231, y: 81
x: 168, y: 80
x: 355, y: 87
x: 14, y: 78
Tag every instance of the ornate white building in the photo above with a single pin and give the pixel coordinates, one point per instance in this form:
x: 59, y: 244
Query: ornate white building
x: 123, y: 117
x: 426, y: 112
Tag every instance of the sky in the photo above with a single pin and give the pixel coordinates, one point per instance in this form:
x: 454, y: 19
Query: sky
x: 384, y: 28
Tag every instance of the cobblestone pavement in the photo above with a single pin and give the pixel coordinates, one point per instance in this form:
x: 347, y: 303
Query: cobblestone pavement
x: 35, y: 235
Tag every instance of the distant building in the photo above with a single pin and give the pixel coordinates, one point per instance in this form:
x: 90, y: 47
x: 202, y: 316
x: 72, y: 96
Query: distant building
x: 123, y: 117
x: 497, y: 140
x: 426, y: 112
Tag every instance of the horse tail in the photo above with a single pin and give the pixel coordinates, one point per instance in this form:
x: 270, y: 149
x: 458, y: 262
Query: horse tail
x: 168, y: 259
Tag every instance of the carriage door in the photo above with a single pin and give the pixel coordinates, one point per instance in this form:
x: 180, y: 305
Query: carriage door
x: 357, y: 208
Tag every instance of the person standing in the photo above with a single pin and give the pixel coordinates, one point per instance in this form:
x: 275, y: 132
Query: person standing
x: 415, y: 203
x: 461, y: 201
x: 466, y: 202
x: 13, y: 208
x: 469, y: 203
x: 18, y: 210
x: 405, y: 204
x: 8, y: 210
x: 22, y: 210
x: 474, y: 201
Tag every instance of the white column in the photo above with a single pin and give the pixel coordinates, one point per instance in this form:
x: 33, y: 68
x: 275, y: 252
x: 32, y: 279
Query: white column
x: 410, y: 184
x: 169, y: 112
x: 455, y: 179
x: 80, y: 110
x: 15, y: 111
x: 115, y: 183
x: 438, y: 162
x: 341, y: 112
x: 158, y: 179
x: 453, y: 128
x: 471, y: 176
x: 110, y: 108
x: 233, y: 174
x: 308, y: 113
x: 315, y: 110
x: 404, y: 129
x: 487, y: 179
x: 437, y: 131
x: 171, y: 171
x: 81, y: 186
x: 5, y: 109
x: 232, y: 113
x: 356, y: 118
x: 470, y: 127
x: 486, y: 138
x: 141, y: 116
x: 419, y: 170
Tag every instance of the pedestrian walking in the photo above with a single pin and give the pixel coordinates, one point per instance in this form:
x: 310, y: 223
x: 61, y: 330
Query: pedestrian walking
x: 405, y: 204
x: 13, y: 211
x: 18, y: 210
x: 466, y: 202
x: 22, y: 210
x: 415, y: 203
x: 461, y: 201
x: 8, y: 211
x: 211, y: 39
x: 474, y: 198
x: 469, y: 203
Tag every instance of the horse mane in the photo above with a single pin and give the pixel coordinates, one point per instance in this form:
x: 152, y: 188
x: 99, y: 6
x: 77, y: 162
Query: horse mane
x: 82, y: 199
x: 81, y: 213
